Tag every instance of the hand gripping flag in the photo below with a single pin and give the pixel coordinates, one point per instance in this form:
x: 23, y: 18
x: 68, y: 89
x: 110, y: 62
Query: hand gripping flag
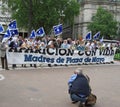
x: 1, y: 28
x: 12, y: 25
x: 57, y: 29
x: 32, y: 35
x: 40, y: 32
x: 96, y: 36
x: 88, y: 36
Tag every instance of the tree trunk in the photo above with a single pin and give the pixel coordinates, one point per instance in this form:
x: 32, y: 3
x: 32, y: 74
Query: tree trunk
x: 30, y: 17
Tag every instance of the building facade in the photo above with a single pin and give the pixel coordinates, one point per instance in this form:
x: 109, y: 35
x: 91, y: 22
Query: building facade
x: 5, y: 19
x: 5, y: 16
x: 88, y: 10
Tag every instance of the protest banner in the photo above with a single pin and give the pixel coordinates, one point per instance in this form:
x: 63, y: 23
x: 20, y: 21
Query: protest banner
x: 61, y: 56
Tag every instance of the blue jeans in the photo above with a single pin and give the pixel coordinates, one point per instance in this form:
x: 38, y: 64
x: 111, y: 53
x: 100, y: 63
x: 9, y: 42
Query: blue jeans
x: 75, y: 97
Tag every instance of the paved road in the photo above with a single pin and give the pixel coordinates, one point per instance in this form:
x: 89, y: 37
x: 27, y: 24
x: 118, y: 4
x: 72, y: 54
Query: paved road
x: 47, y: 87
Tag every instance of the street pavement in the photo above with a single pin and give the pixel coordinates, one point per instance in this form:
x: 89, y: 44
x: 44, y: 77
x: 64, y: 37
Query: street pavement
x: 47, y: 86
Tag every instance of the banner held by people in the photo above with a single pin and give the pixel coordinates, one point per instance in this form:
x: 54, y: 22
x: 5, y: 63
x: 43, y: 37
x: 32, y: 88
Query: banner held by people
x: 61, y: 56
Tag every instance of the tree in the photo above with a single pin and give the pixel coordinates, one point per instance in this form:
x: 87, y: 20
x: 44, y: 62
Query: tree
x: 104, y: 22
x: 32, y: 14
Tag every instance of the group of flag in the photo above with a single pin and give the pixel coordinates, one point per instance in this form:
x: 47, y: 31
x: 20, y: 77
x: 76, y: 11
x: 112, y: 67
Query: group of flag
x: 40, y: 32
x: 88, y: 36
x: 12, y: 30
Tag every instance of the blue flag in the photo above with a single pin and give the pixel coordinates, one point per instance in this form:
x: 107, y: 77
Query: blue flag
x: 1, y: 28
x: 12, y: 25
x: 40, y: 32
x: 57, y: 29
x: 96, y: 36
x: 88, y: 36
x: 32, y: 35
x: 101, y: 40
x: 14, y: 32
x: 7, y: 34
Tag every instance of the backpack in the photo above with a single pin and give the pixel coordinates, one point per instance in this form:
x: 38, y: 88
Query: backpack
x: 91, y: 100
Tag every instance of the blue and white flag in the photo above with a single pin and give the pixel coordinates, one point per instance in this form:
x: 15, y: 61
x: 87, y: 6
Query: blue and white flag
x: 14, y: 32
x: 96, y: 36
x: 7, y: 34
x: 101, y: 40
x: 12, y: 25
x: 57, y: 29
x: 32, y: 35
x: 40, y: 32
x: 88, y: 36
x: 1, y: 28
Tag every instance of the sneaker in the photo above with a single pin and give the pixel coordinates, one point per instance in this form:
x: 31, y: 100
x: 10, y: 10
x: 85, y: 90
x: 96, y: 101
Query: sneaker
x: 49, y: 65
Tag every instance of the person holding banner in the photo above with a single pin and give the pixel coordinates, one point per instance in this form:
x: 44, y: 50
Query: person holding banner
x: 3, y: 48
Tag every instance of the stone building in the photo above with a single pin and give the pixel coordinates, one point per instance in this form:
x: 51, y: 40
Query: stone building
x: 5, y: 19
x: 88, y: 8
x: 5, y: 16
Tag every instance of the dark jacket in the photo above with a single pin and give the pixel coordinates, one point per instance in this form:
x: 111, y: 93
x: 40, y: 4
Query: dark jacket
x: 80, y: 86
x: 2, y: 50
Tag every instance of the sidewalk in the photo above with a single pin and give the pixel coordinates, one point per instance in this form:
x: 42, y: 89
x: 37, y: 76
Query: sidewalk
x: 46, y: 65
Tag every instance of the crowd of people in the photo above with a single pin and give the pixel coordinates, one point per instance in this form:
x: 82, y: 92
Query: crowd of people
x: 52, y: 42
x: 19, y: 43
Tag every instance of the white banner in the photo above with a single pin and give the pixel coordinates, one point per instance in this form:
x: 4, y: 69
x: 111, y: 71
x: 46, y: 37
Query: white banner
x: 61, y: 56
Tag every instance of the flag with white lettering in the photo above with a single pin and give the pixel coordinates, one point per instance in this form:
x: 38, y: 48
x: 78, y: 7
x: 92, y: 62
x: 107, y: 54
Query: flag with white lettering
x: 40, y: 32
x: 1, y: 28
x: 101, y: 40
x: 96, y: 36
x: 7, y: 34
x: 88, y: 36
x: 57, y: 29
x: 14, y: 32
x: 32, y: 35
x: 12, y: 25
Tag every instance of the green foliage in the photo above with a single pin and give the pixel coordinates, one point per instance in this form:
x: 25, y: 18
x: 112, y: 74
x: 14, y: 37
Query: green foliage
x: 104, y: 22
x: 71, y: 11
x: 32, y: 14
x: 117, y: 54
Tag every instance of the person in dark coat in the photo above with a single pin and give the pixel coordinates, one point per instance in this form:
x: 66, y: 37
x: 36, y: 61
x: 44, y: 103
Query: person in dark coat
x: 79, y: 88
x: 3, y: 48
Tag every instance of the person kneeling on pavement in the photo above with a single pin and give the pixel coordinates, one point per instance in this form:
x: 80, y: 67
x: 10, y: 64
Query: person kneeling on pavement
x: 79, y: 88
